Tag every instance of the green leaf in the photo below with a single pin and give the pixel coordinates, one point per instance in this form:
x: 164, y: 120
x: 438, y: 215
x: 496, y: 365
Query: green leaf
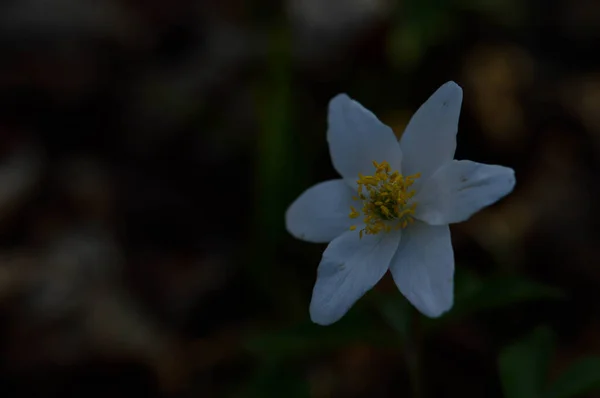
x: 523, y: 366
x: 581, y: 377
x: 307, y: 337
x: 473, y: 296
x: 501, y: 292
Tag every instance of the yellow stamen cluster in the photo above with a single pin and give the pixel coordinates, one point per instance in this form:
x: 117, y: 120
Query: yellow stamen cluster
x: 385, y: 198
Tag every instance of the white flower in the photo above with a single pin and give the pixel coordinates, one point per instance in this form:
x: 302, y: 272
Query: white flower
x: 392, y: 207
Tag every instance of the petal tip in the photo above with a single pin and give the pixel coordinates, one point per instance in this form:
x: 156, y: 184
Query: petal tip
x: 450, y: 91
x: 338, y: 107
x: 288, y: 219
x: 453, y: 85
x: 509, y: 178
x: 319, y: 318
x: 339, y: 100
x: 512, y: 175
x: 437, y: 310
x: 436, y: 314
x: 297, y: 230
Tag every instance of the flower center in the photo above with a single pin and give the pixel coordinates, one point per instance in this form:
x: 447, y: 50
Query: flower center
x: 386, y: 200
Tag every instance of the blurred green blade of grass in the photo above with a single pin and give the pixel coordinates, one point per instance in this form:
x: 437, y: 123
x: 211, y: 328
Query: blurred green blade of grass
x: 582, y: 377
x: 523, y: 365
x: 275, y: 163
x: 275, y: 151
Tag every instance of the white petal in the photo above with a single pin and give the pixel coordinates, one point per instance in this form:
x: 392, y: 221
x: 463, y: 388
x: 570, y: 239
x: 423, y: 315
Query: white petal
x: 423, y: 268
x: 429, y: 140
x: 349, y: 268
x: 356, y: 138
x: 460, y: 189
x: 321, y: 213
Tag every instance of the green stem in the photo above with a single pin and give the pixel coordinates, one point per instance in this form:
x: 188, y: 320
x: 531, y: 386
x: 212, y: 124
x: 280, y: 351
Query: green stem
x: 412, y: 354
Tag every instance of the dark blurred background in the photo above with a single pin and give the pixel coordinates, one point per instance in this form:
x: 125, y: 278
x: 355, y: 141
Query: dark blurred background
x: 149, y: 149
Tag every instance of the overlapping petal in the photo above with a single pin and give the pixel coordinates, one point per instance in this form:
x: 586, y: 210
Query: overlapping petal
x: 349, y: 268
x: 460, y: 189
x: 423, y: 268
x: 429, y: 140
x: 320, y: 213
x: 356, y: 138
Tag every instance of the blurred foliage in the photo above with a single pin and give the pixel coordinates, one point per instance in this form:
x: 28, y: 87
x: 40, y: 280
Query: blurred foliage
x: 149, y: 150
x: 578, y: 379
x: 524, y: 365
x: 524, y: 369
